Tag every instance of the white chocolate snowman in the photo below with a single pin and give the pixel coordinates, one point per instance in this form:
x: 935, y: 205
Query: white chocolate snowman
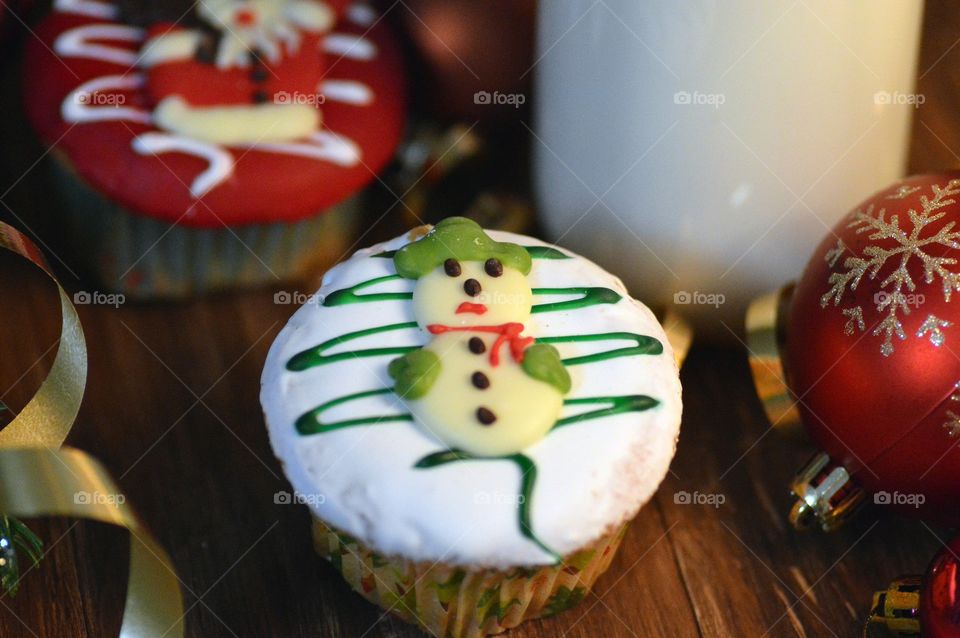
x: 479, y: 385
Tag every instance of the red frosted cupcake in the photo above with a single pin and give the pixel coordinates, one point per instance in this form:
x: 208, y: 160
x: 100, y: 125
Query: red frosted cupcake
x: 213, y: 146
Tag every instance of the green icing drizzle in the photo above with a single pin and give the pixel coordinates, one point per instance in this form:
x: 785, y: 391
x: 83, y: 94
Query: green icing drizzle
x: 457, y: 238
x: 589, y: 297
x: 528, y: 472
x: 436, y: 459
x: 528, y: 479
x: 414, y: 373
x: 535, y: 252
x: 645, y: 345
x: 616, y: 405
x: 310, y: 423
x: 349, y: 295
x: 315, y: 356
x: 546, y: 252
x: 542, y: 362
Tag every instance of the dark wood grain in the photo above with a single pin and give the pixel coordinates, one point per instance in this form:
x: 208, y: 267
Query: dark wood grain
x: 172, y: 410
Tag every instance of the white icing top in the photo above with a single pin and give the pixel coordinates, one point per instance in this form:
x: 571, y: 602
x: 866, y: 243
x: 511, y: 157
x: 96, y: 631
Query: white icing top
x: 591, y: 476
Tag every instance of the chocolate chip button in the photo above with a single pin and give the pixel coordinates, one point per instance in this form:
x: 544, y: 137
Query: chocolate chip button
x: 206, y: 51
x: 480, y: 380
x: 472, y: 287
x: 452, y: 268
x: 486, y: 416
x: 493, y: 267
x: 260, y: 97
x: 476, y: 345
x: 258, y: 74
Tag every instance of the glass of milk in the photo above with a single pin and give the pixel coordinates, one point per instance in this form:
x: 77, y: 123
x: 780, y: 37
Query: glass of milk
x: 701, y: 149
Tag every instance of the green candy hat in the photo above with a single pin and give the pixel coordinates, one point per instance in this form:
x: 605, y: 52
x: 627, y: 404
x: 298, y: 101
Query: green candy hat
x: 461, y: 239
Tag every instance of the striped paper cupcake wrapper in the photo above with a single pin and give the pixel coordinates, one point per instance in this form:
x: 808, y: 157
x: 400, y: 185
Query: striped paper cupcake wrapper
x: 146, y: 258
x: 452, y: 602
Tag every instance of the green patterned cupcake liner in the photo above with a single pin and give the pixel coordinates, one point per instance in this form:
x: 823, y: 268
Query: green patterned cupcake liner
x: 147, y: 258
x: 453, y: 602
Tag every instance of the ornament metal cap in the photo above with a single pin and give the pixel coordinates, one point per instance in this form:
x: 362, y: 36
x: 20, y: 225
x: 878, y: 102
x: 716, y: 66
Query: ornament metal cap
x: 765, y: 335
x: 826, y: 497
x: 897, y: 609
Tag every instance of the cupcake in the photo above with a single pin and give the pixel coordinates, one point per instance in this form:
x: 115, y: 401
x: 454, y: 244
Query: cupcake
x: 215, y: 144
x: 473, y: 418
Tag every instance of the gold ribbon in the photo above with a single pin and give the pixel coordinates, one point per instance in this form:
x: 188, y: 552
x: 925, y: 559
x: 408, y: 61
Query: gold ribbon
x: 37, y: 479
x: 679, y: 334
x: 764, y: 338
x: 47, y: 418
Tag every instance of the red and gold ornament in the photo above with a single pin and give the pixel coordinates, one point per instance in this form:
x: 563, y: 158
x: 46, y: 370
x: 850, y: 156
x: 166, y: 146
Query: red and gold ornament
x: 864, y: 351
x: 927, y: 605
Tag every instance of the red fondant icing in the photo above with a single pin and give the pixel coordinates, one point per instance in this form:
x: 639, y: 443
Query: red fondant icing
x: 264, y: 186
x: 206, y: 85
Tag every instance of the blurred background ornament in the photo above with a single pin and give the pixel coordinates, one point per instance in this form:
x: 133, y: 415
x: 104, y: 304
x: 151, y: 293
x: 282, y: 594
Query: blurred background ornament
x: 458, y: 170
x: 719, y: 139
x: 469, y: 51
x: 13, y: 13
x: 468, y: 150
x: 863, y: 356
x: 927, y: 605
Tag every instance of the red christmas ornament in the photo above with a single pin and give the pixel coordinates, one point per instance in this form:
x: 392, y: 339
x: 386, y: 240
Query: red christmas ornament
x: 927, y: 605
x: 869, y: 356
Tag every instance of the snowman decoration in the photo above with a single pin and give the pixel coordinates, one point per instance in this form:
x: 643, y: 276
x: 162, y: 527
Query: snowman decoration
x: 479, y: 385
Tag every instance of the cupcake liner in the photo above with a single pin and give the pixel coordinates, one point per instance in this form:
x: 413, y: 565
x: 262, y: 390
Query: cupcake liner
x: 146, y: 258
x: 453, y: 602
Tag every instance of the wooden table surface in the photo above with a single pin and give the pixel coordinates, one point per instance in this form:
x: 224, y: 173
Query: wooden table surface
x: 172, y: 410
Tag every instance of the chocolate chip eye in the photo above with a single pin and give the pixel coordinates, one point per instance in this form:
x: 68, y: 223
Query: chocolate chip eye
x: 493, y: 267
x: 452, y: 268
x: 471, y: 287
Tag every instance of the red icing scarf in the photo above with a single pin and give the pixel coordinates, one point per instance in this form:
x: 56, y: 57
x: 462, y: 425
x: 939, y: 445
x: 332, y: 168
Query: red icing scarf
x: 506, y: 333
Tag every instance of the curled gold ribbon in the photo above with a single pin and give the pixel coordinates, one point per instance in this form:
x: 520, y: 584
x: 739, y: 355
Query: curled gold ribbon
x: 764, y: 336
x: 46, y: 420
x: 37, y: 479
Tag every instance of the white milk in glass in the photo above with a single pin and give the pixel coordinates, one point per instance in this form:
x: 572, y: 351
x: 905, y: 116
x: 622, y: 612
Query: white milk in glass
x: 701, y: 149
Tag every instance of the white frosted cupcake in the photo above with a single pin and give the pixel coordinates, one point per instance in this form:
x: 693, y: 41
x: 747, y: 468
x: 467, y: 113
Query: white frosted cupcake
x: 473, y: 419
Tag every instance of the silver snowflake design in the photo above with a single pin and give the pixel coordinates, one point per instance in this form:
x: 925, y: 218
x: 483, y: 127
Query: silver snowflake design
x: 909, y: 243
x: 903, y: 192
